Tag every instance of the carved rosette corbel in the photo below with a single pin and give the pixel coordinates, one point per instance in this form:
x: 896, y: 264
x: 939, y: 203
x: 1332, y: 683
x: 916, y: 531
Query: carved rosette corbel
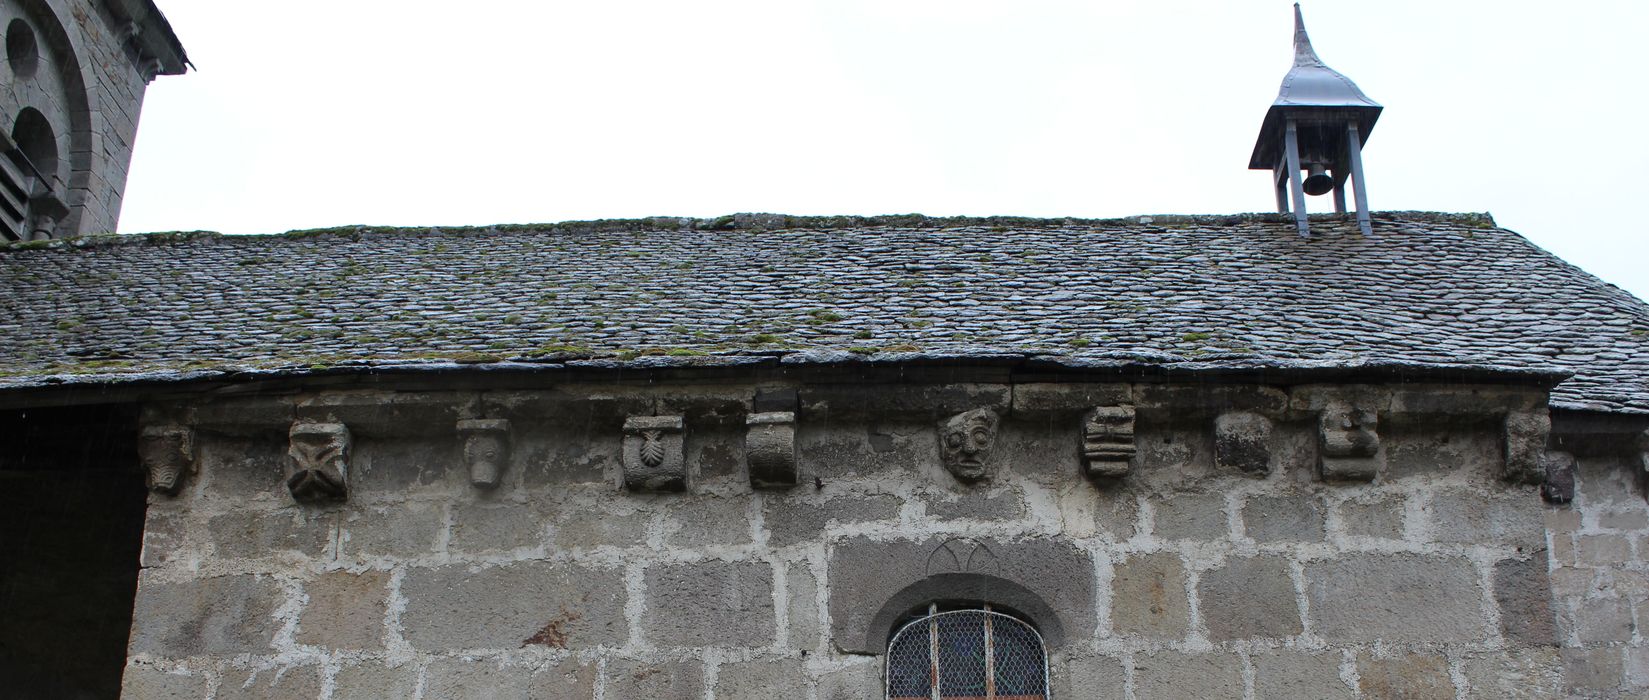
x: 1348, y: 443
x: 770, y: 449
x: 486, y: 449
x: 168, y: 456
x: 1526, y: 434
x: 318, y: 462
x: 1108, y: 441
x: 1242, y: 441
x: 654, y: 458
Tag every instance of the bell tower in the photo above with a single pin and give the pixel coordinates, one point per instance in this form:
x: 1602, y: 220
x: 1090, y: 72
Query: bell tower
x: 1317, y: 126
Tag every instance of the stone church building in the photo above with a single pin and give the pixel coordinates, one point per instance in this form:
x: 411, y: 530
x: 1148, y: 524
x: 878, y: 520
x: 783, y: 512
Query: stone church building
x: 1377, y: 455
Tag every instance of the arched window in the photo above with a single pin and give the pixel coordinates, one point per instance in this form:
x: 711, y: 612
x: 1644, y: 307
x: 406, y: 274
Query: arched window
x: 966, y: 653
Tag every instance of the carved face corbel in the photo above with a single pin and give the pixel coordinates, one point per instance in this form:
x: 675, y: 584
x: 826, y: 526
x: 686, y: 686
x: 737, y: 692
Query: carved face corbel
x: 965, y: 444
x: 168, y: 455
x: 486, y: 449
x: 318, y: 462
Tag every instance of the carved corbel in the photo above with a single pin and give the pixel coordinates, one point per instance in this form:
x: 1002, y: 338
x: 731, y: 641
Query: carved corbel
x: 1349, y: 445
x: 770, y: 449
x: 318, y: 462
x: 168, y: 456
x: 653, y: 453
x: 486, y: 449
x: 966, y: 441
x: 1108, y: 441
x: 1559, y: 471
x: 1242, y: 441
x: 1526, y: 434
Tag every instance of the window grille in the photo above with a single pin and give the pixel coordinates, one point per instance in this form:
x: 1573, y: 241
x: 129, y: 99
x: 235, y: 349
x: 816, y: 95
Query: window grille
x: 968, y: 654
x: 15, y: 190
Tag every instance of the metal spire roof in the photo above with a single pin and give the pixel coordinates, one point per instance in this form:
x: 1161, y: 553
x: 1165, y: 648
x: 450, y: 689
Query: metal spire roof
x: 1311, y: 83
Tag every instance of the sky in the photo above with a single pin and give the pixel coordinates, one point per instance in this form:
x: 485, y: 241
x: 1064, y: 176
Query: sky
x: 315, y: 113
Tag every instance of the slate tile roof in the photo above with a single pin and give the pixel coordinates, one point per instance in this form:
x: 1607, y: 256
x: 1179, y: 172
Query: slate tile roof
x: 1176, y: 292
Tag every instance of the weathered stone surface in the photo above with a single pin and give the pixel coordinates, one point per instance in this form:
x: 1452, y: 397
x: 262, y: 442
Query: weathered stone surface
x: 1396, y: 598
x: 1282, y: 673
x: 653, y: 456
x: 222, y: 615
x: 395, y: 467
x: 394, y: 531
x: 374, y: 680
x: 840, y: 401
x: 580, y: 528
x: 486, y: 449
x: 278, y: 682
x: 1592, y: 672
x: 710, y: 604
x: 144, y: 681
x: 1559, y: 486
x: 345, y: 610
x: 1626, y: 520
x: 708, y: 520
x: 1524, y: 594
x: 791, y: 520
x: 1116, y: 513
x: 1603, y: 620
x: 486, y: 527
x: 856, y: 682
x: 253, y: 534
x: 318, y: 462
x: 1603, y: 550
x: 1148, y: 597
x: 1175, y: 675
x: 760, y: 679
x: 829, y: 451
x: 654, y: 680
x: 569, y: 678
x: 1088, y: 676
x: 802, y: 609
x: 1517, y: 518
x: 1526, y: 435
x: 564, y: 455
x: 1242, y: 442
x: 461, y: 679
x: 770, y: 449
x: 1516, y: 674
x: 873, y: 583
x: 1249, y: 597
x: 1289, y: 517
x: 1430, y: 449
x: 1419, y: 676
x: 1038, y: 398
x: 977, y: 504
x: 240, y: 467
x: 966, y: 443
x: 1192, y: 516
x: 512, y: 605
x: 1381, y: 517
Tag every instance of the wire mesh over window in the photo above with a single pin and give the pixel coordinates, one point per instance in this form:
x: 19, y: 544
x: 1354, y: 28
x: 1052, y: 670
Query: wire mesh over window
x: 970, y: 654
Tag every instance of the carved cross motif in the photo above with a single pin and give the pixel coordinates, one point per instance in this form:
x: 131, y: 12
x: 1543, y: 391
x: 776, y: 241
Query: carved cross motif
x: 318, y: 462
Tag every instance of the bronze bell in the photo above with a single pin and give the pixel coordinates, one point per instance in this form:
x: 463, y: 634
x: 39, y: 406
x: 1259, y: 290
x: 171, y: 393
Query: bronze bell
x: 1318, y: 181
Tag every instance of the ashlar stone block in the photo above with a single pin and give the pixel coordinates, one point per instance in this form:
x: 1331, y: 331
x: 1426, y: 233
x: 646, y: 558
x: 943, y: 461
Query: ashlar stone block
x: 1283, y: 673
x: 345, y: 610
x: 278, y: 682
x: 558, y: 605
x: 654, y: 680
x: 653, y: 453
x: 709, y: 604
x: 223, y: 615
x: 1526, y: 434
x: 1148, y: 597
x: 1419, y: 676
x: 1523, y: 591
x: 1396, y: 598
x: 1248, y: 598
x: 1175, y: 675
x: 760, y: 679
x: 1288, y: 517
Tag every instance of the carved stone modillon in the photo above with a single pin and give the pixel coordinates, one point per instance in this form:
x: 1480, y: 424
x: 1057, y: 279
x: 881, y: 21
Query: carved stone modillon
x: 1242, y: 441
x: 653, y: 454
x: 1559, y: 471
x: 1526, y: 436
x: 1108, y: 441
x: 318, y: 462
x: 486, y: 449
x: 168, y: 455
x: 965, y: 444
x: 770, y: 449
x: 1349, y: 444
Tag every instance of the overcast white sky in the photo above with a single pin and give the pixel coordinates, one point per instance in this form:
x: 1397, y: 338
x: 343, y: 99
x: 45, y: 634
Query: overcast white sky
x: 309, y: 113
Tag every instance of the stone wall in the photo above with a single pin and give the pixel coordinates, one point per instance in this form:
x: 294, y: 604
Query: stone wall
x: 1181, y: 542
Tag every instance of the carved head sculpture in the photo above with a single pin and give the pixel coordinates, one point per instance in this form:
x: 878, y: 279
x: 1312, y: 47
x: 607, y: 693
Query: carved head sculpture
x: 168, y: 455
x: 965, y: 443
x: 486, y: 447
